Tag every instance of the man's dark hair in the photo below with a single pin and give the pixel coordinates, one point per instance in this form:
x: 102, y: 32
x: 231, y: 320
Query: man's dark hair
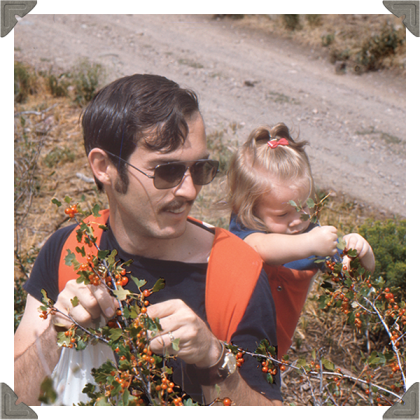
x: 140, y: 108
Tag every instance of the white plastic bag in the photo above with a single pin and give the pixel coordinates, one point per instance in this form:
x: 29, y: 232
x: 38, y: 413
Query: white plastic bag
x: 73, y: 372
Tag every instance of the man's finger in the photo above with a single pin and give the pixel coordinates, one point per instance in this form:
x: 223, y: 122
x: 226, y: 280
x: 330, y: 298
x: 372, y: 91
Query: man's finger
x: 107, y: 303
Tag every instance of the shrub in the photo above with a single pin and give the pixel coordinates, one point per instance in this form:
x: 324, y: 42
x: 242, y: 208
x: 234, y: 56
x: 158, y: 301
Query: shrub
x: 86, y: 79
x: 291, y: 22
x: 387, y: 239
x: 375, y: 49
x: 314, y: 20
x: 23, y: 81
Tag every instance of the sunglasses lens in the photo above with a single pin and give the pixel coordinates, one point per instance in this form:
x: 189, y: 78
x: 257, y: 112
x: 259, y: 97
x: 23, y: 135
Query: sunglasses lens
x: 203, y: 172
x: 169, y: 175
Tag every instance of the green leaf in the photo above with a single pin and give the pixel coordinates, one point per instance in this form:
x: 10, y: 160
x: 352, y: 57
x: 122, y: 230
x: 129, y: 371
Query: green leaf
x: 327, y: 364
x: 269, y: 378
x: 96, y: 209
x: 81, y: 345
x: 70, y: 258
x: 341, y: 243
x: 310, y: 203
x: 74, y: 301
x: 56, y: 202
x: 47, y: 394
x: 111, y: 258
x: 175, y: 344
x: 126, y: 312
x: 139, y: 283
x: 126, y: 396
x: 115, y: 334
x: 189, y: 403
x: 103, y: 227
x: 292, y: 203
x: 45, y: 299
x: 67, y: 199
x: 120, y: 293
x: 103, y: 254
x: 300, y: 363
x: 81, y: 251
x: 102, y: 401
x: 159, y: 285
x: 352, y: 253
x: 61, y: 338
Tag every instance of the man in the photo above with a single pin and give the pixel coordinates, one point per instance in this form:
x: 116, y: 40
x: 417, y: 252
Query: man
x: 146, y: 145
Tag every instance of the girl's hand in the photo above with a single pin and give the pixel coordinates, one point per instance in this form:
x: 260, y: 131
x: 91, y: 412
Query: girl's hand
x: 324, y: 240
x: 364, y: 251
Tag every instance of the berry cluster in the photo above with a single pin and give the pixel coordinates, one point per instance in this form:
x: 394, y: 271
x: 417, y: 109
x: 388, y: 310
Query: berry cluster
x: 239, y: 359
x: 71, y: 211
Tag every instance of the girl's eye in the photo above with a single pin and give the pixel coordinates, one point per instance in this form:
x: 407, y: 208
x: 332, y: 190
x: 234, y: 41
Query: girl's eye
x: 282, y: 215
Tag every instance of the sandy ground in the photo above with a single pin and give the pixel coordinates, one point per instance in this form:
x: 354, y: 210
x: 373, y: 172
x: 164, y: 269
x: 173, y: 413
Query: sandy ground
x: 356, y: 124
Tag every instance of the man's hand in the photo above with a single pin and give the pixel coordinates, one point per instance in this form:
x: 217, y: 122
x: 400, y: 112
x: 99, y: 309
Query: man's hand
x: 324, y: 240
x: 364, y: 251
x: 94, y: 301
x: 197, y: 344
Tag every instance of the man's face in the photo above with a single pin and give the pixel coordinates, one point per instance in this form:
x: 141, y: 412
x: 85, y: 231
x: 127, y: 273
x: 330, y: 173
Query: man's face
x: 152, y: 213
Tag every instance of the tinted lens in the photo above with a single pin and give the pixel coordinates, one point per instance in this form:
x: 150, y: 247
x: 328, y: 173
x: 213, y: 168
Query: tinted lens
x: 169, y: 175
x: 203, y: 172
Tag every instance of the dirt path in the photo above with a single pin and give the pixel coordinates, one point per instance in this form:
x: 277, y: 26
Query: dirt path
x: 355, y: 124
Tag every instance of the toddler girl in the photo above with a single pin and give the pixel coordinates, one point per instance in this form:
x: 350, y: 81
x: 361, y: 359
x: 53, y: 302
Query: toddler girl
x: 268, y: 171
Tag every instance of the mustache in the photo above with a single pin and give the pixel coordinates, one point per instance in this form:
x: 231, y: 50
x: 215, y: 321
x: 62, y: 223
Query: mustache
x: 176, y: 204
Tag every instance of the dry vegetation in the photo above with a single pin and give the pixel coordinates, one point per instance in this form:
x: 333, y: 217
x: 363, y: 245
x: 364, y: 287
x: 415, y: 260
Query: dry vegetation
x: 361, y: 42
x: 50, y: 162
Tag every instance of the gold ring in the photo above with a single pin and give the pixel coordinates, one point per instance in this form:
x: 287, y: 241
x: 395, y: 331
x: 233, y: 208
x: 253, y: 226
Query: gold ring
x: 171, y: 337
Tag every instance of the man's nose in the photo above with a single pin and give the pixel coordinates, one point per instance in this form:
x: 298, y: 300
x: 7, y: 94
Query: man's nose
x: 187, y: 189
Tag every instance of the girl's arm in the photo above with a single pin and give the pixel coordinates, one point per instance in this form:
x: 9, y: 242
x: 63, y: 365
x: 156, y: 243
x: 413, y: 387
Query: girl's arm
x: 279, y: 249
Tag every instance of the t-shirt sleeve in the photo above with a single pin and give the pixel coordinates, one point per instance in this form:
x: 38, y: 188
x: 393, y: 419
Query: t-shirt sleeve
x: 44, y: 274
x: 258, y: 323
x: 239, y: 229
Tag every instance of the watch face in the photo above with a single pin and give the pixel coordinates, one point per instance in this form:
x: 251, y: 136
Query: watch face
x: 230, y: 363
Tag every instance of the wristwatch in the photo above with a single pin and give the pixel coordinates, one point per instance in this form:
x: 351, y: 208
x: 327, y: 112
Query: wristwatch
x: 221, y: 370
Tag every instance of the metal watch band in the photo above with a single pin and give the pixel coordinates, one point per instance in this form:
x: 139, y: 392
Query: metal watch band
x: 216, y: 373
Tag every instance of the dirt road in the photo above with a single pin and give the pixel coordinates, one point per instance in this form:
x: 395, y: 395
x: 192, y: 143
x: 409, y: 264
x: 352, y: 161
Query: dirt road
x: 355, y: 124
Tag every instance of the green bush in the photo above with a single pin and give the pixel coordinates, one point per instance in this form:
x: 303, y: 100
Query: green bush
x: 291, y: 22
x: 86, y: 79
x: 376, y: 48
x: 388, y: 241
x: 23, y: 83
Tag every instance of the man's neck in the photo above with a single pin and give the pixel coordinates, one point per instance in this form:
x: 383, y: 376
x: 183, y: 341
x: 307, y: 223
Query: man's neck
x: 192, y: 246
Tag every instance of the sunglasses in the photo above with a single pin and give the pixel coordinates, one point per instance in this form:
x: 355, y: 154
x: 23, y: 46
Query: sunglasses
x: 171, y: 174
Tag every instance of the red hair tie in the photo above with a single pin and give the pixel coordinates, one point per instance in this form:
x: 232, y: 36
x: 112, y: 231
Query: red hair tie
x: 274, y: 143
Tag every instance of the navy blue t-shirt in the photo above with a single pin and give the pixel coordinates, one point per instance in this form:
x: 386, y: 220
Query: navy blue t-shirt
x: 185, y: 281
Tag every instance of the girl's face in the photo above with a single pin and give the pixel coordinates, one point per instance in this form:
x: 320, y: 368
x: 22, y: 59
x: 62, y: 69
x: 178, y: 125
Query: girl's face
x: 275, y: 211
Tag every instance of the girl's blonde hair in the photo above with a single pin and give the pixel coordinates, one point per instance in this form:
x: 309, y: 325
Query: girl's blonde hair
x: 255, y: 166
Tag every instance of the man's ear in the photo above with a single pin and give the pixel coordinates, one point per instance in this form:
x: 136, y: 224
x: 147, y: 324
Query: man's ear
x: 101, y: 165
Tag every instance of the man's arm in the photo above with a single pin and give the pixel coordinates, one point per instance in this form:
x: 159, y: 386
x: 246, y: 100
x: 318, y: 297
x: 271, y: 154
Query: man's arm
x: 198, y: 345
x: 35, y: 352
x: 236, y: 389
x: 279, y: 249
